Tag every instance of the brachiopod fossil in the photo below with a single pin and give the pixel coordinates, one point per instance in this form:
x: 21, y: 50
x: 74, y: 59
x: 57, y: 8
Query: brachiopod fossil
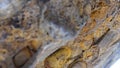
x: 10, y: 7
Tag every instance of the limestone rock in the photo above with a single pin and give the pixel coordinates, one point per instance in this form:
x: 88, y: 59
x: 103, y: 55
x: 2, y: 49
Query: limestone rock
x: 60, y: 34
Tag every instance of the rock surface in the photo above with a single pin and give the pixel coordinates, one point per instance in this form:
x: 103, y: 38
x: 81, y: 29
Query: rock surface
x: 61, y: 34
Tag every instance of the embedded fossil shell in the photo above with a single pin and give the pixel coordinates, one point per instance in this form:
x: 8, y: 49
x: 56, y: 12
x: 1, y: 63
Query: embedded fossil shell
x: 10, y: 7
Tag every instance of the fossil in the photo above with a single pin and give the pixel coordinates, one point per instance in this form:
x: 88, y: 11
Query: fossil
x: 59, y: 33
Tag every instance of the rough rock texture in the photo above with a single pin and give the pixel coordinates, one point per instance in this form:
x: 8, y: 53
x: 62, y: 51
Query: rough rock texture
x: 61, y: 34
